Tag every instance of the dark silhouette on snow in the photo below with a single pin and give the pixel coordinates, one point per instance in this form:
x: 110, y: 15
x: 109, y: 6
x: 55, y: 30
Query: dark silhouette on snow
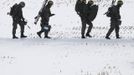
x: 87, y: 13
x: 17, y: 16
x: 45, y: 15
x: 114, y: 14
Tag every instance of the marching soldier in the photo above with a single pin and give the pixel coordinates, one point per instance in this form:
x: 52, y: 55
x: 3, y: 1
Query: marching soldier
x: 17, y: 15
x: 45, y: 14
x: 114, y: 14
x: 87, y: 13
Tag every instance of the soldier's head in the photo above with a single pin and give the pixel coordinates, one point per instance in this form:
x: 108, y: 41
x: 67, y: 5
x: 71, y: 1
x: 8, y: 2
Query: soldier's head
x: 119, y: 3
x: 22, y: 4
x: 50, y: 3
x: 90, y: 2
x: 83, y: 1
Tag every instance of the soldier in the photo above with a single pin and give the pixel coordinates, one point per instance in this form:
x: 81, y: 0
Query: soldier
x: 83, y: 10
x: 89, y: 20
x: 17, y: 15
x: 45, y: 14
x: 114, y: 14
x: 80, y: 8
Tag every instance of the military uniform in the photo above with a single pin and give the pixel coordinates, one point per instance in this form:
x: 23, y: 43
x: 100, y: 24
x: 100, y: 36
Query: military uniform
x: 115, y: 20
x: 83, y: 10
x: 45, y: 16
x: 18, y: 18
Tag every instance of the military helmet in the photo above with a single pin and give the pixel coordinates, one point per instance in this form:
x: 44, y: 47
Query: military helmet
x: 91, y: 2
x: 50, y: 2
x: 22, y: 4
x: 120, y: 2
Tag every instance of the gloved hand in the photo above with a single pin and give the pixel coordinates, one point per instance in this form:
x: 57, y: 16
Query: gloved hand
x: 23, y: 19
x: 52, y: 14
x: 36, y: 17
x: 35, y: 23
x: 119, y: 22
x: 78, y: 13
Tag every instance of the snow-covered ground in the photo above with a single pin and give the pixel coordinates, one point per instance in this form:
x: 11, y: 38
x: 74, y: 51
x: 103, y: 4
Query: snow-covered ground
x: 66, y: 53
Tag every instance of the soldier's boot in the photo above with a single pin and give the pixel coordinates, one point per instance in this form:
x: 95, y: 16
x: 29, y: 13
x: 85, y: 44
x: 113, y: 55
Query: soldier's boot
x: 83, y: 37
x: 39, y: 34
x: 88, y: 35
x: 15, y: 37
x: 46, y: 35
x: 23, y: 36
x: 118, y: 37
x: 107, y: 37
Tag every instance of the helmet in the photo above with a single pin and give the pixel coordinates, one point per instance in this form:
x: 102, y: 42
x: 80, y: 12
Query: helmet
x: 91, y: 2
x: 83, y: 1
x: 120, y: 2
x: 22, y: 4
x: 50, y: 2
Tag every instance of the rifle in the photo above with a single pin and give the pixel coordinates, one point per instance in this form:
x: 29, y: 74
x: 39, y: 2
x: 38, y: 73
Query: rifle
x: 38, y: 16
x: 113, y: 3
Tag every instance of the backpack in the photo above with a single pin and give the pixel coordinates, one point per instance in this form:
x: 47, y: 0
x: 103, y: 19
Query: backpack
x: 112, y: 11
x: 93, y: 12
x: 13, y: 9
x: 109, y: 12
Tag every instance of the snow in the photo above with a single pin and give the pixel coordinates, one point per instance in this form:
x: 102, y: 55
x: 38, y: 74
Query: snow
x: 66, y: 53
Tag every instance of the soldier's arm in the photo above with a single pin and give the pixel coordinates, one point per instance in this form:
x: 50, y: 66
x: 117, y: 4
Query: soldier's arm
x: 77, y: 7
x: 23, y: 19
x: 51, y: 14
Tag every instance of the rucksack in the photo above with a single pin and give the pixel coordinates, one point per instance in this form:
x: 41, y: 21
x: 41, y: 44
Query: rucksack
x: 13, y: 9
x: 112, y: 11
x: 93, y: 12
x: 109, y: 12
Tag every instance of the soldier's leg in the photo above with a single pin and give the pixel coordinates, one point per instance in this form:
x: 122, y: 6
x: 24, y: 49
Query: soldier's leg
x: 47, y: 32
x: 14, y: 29
x: 41, y: 31
x: 22, y: 27
x: 112, y: 27
x: 117, y: 31
x: 110, y: 31
x: 89, y: 28
x: 83, y: 20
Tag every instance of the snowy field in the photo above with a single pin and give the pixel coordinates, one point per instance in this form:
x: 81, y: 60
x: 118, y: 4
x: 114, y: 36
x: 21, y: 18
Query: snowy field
x: 66, y: 53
